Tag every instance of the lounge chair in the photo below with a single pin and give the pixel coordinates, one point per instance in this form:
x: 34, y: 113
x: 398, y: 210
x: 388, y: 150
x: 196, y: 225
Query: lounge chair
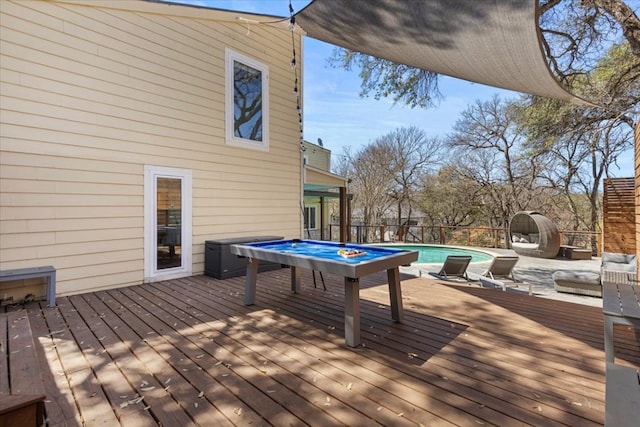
x: 589, y: 282
x: 500, y: 273
x: 454, y: 266
x: 502, y: 267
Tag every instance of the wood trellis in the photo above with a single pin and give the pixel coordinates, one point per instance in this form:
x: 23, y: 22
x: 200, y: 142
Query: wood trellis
x: 619, y: 234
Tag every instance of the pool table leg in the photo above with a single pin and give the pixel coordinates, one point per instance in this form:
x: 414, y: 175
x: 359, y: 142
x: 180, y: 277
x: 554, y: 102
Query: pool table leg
x: 351, y: 311
x: 395, y: 294
x: 295, y: 279
x: 609, y: 354
x: 250, y: 281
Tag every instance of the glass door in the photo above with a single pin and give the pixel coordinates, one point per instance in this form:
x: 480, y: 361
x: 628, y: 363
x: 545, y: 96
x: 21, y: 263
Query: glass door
x: 167, y: 223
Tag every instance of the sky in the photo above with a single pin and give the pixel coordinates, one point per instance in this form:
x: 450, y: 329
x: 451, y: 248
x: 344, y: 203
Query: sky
x: 334, y: 111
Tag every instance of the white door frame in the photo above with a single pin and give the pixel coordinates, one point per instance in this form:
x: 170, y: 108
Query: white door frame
x: 151, y: 175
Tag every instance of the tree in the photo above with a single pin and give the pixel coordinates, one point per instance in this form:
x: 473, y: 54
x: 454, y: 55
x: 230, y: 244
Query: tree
x: 593, y: 47
x: 489, y: 137
x: 409, y: 156
x: 412, y: 86
x: 368, y: 182
x: 389, y: 171
x: 584, y: 143
x: 450, y: 198
x: 574, y: 31
x: 574, y: 36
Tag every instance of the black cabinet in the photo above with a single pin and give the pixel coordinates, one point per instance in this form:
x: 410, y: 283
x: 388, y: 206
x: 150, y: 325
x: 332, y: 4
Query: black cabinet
x: 220, y: 263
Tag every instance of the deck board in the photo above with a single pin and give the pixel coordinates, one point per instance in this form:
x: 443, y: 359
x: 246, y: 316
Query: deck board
x: 463, y: 356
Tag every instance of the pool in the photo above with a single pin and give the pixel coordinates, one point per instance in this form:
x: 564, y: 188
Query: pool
x: 431, y: 254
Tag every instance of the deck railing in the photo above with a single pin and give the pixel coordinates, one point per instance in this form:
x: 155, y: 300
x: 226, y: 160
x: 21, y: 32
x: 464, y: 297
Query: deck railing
x: 485, y: 237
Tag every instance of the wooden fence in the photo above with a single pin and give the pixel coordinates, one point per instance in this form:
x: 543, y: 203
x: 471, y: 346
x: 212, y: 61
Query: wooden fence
x: 618, y: 207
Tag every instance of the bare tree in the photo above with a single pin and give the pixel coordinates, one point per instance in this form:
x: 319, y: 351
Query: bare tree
x: 451, y: 198
x: 410, y: 155
x: 368, y: 182
x: 490, y: 139
x: 584, y: 143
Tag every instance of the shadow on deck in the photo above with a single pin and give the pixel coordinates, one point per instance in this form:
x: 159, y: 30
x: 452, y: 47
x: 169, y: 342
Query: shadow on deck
x: 188, y: 352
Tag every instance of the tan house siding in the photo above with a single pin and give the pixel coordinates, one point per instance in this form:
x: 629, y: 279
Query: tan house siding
x: 93, y: 91
x: 317, y: 156
x: 321, y: 189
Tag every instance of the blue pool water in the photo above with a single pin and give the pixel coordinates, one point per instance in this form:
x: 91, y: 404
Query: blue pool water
x: 429, y: 254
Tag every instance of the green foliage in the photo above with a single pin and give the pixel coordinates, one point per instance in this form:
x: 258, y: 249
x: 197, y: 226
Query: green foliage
x: 411, y: 86
x: 450, y: 198
x: 527, y: 154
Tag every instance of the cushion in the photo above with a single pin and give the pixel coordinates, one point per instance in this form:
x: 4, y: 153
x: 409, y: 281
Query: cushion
x: 515, y: 238
x: 576, y: 277
x: 619, y: 262
x: 578, y: 282
x: 534, y: 237
x: 523, y: 240
x: 526, y: 245
x: 618, y: 258
x: 630, y: 268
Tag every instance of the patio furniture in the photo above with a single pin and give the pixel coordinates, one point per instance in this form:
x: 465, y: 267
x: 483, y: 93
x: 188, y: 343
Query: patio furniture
x: 619, y: 262
x: 615, y: 268
x: 47, y: 272
x: 499, y: 274
x: 502, y: 267
x: 574, y: 252
x: 533, y: 234
x: 22, y: 394
x: 220, y: 263
x: 454, y: 266
x: 578, y: 282
x: 620, y: 305
x: 622, y: 395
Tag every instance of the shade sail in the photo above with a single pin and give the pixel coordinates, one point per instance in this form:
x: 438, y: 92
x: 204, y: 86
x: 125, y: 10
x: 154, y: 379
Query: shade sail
x: 493, y: 42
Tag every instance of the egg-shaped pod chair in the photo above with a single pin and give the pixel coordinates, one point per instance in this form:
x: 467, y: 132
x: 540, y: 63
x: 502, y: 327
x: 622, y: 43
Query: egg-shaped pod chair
x: 533, y: 234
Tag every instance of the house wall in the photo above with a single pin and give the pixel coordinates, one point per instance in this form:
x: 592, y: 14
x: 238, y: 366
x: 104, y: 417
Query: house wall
x: 318, y: 157
x: 94, y: 91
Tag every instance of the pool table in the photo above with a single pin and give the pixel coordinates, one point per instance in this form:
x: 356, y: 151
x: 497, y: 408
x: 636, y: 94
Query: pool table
x: 353, y: 262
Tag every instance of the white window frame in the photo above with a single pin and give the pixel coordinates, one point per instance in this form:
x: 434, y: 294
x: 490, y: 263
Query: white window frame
x: 151, y: 272
x: 313, y: 210
x: 231, y: 139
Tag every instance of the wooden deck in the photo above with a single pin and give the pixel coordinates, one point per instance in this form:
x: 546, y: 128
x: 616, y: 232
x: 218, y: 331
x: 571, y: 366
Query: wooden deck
x: 188, y: 353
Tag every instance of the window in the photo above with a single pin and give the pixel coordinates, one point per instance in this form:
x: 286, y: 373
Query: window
x: 310, y: 217
x: 246, y: 104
